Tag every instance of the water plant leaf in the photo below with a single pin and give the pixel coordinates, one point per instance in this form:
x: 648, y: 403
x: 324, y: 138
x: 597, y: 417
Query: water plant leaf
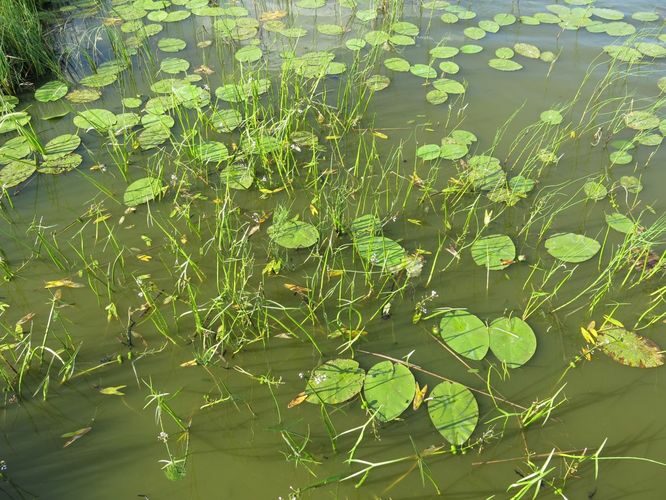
x: 248, y: 54
x: 174, y: 65
x: 551, y: 117
x: 368, y: 224
x: 485, y: 172
x: 113, y: 391
x: 381, y: 251
x: 527, y: 50
x: 512, y: 341
x: 495, y: 252
x: 465, y: 333
x: 15, y: 148
x: 570, y: 247
x: 449, y: 86
x: 444, y: 52
x: 330, y: 29
x: 452, y: 149
x: 13, y: 121
x: 641, y: 120
x: 51, y: 91
x: 595, y: 190
x: 377, y: 82
x: 15, y: 172
x: 336, y: 381
x: 238, y: 176
x: 429, y: 151
x: 98, y: 119
x: 474, y: 33
x: 60, y: 164
x: 620, y: 222
x: 375, y: 38
x: 142, y: 191
x: 454, y: 411
x: 62, y: 145
x: 504, y: 53
x: 171, y: 44
x: 388, y: 389
x: 630, y: 349
x: 631, y: 183
x: 293, y: 234
x: 435, y: 97
x: 504, y: 65
x: 397, y: 64
x: 423, y: 71
x: 471, y: 48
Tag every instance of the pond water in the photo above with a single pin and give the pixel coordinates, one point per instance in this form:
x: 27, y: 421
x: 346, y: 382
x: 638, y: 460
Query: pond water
x: 325, y: 181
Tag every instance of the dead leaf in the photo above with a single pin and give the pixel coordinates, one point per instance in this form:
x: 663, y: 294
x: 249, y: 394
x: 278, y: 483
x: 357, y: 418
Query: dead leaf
x: 419, y: 396
x: 75, y: 436
x: 300, y: 397
x: 113, y: 391
x: 62, y: 283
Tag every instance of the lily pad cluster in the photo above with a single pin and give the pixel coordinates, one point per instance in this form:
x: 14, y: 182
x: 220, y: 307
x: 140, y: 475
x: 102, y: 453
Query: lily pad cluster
x: 388, y: 389
x: 510, y: 339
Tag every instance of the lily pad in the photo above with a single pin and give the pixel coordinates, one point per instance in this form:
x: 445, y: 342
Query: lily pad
x: 62, y: 145
x: 248, y: 54
x: 51, y: 91
x: 377, y: 82
x: 335, y: 381
x: 465, y: 333
x: 595, y: 190
x: 60, y: 164
x: 512, y: 341
x: 551, y: 117
x: 397, y: 64
x: 570, y: 247
x: 381, y: 251
x: 641, y: 120
x: 389, y: 389
x: 630, y: 349
x: 293, y: 234
x: 142, y: 191
x: 15, y: 172
x: 620, y: 223
x: 423, y: 71
x: 454, y: 411
x: 504, y: 65
x: 238, y: 176
x: 527, y: 50
x: 98, y: 119
x: 496, y: 252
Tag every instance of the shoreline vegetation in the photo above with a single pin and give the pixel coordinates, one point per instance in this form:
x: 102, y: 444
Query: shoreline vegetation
x: 26, y: 53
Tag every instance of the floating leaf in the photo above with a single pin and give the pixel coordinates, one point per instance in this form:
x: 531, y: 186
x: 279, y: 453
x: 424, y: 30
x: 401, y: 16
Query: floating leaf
x: 570, y: 247
x: 423, y: 71
x: 15, y: 172
x: 72, y: 437
x: 238, y: 176
x: 248, y: 54
x: 551, y: 117
x: 429, y: 152
x: 389, y: 389
x: 527, y: 50
x: 512, y: 341
x: 454, y: 411
x: 142, y: 191
x: 465, y: 333
x: 496, y: 252
x: 630, y: 349
x: 381, y: 251
x: 60, y: 164
x: 62, y: 145
x: 595, y: 190
x: 293, y: 234
x: 377, y: 82
x: 98, y: 119
x: 504, y: 65
x: 368, y: 224
x: 397, y: 64
x: 641, y: 120
x: 113, y: 391
x: 51, y: 91
x: 485, y: 172
x: 335, y: 381
x: 174, y: 65
x: 620, y: 223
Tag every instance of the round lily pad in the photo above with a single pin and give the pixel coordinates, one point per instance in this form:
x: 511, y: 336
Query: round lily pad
x: 238, y: 176
x: 293, y: 234
x: 60, y: 164
x: 15, y: 148
x: 465, y: 333
x: 551, y: 117
x: 381, y: 251
x: 377, y: 82
x: 496, y: 252
x: 570, y: 247
x: 248, y: 54
x: 51, y: 91
x: 174, y: 65
x: 444, y: 52
x: 98, y: 119
x: 397, y: 64
x: 62, y: 145
x: 171, y: 44
x: 641, y: 120
x: 15, y: 172
x: 630, y: 349
x: 512, y: 341
x: 620, y: 223
x: 527, y: 50
x: 389, y: 389
x: 368, y: 224
x: 595, y: 190
x: 142, y: 191
x: 485, y: 172
x: 454, y: 411
x: 423, y: 71
x: 375, y: 38
x: 335, y: 381
x: 504, y: 64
